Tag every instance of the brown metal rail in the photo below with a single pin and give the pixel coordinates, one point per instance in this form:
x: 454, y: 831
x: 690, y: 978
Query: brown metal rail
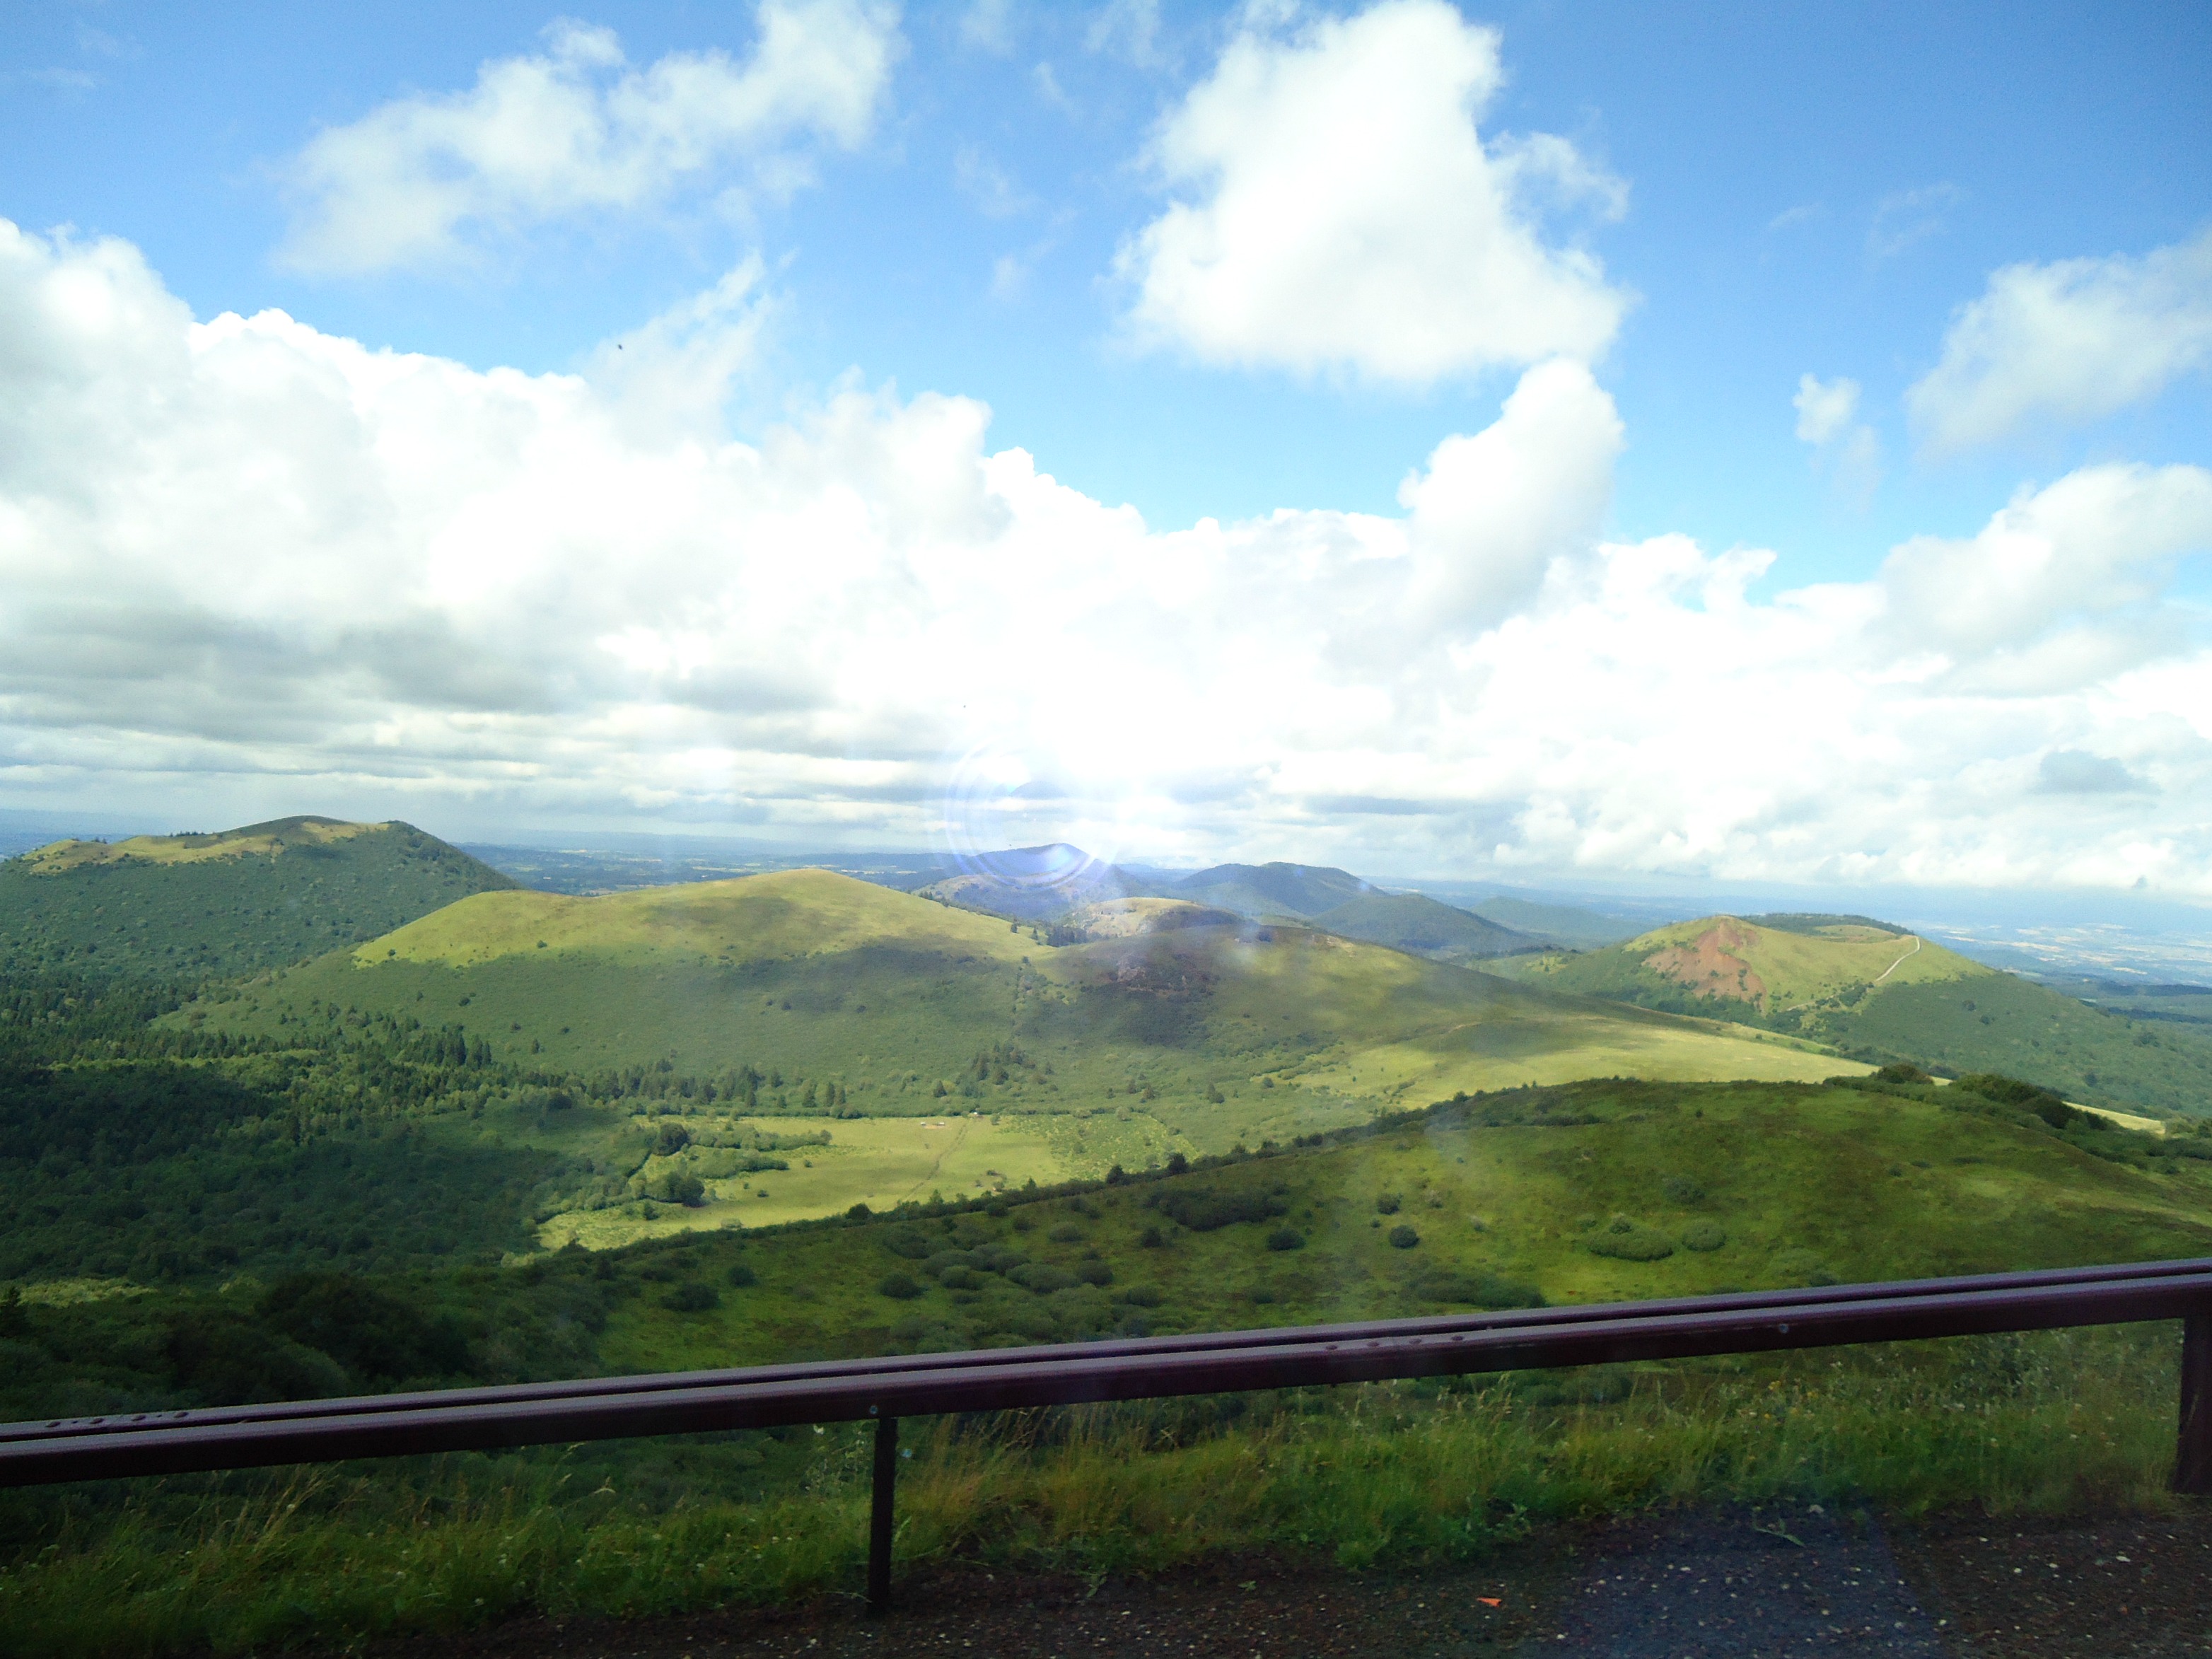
x: 1005, y: 1379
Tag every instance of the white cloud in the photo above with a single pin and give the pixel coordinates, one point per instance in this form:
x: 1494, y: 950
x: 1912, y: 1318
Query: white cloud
x: 1128, y: 29
x: 2095, y: 548
x: 1910, y: 217
x: 577, y: 129
x: 248, y: 567
x: 672, y: 377
x: 1824, y: 408
x: 1337, y: 209
x: 987, y: 185
x: 1851, y: 451
x: 987, y: 25
x: 2070, y: 342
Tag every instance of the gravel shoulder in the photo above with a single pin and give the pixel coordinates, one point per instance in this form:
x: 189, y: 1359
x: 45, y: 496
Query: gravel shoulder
x: 1795, y: 1580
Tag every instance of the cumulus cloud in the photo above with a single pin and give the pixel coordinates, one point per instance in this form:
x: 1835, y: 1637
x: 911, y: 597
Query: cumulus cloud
x: 2093, y: 551
x: 576, y: 129
x: 1336, y: 209
x: 2070, y: 342
x: 251, y: 568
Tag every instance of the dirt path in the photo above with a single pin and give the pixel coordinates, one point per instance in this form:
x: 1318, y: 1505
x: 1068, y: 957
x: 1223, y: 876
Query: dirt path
x: 943, y: 1152
x: 1901, y: 962
x: 1699, y: 1584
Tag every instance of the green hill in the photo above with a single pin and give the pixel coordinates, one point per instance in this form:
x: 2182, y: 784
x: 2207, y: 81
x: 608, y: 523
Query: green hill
x: 225, y: 903
x: 1411, y: 921
x: 1877, y: 992
x: 806, y: 994
x: 1292, y: 892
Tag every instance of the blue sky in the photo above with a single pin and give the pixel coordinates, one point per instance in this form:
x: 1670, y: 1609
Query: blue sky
x: 1735, y: 200
x: 1810, y: 190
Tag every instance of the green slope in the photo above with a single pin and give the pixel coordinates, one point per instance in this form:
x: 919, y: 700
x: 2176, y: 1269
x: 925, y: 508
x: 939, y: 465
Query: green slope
x: 809, y: 993
x: 1290, y: 891
x: 821, y: 976
x: 1412, y: 921
x: 1594, y: 1192
x: 1879, y: 992
x: 225, y: 903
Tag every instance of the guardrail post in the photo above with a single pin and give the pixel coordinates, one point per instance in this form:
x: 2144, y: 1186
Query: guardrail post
x: 881, y: 1515
x: 2192, y: 1459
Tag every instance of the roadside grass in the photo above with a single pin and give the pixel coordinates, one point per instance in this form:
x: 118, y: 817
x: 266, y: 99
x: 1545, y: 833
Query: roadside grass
x: 1373, y: 1477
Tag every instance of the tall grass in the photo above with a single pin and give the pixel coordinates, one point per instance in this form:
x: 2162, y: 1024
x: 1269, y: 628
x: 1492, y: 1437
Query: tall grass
x: 1371, y: 1476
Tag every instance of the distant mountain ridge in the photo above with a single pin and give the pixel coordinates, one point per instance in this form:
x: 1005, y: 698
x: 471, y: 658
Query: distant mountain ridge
x: 1053, y: 885
x: 229, y: 902
x: 1881, y: 992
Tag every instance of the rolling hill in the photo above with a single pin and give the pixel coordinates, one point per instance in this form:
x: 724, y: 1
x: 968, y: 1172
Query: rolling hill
x: 1421, y: 925
x: 224, y: 903
x: 1879, y: 992
x: 1035, y: 884
x: 1285, y: 891
x: 1049, y: 885
x: 807, y: 993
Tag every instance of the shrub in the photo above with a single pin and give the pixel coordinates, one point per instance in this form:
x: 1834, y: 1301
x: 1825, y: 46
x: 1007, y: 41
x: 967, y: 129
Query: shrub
x: 907, y: 1242
x: 1388, y: 1204
x: 1901, y: 1072
x: 1680, y: 1190
x: 691, y: 1297
x: 898, y: 1287
x: 1042, y: 1277
x: 676, y: 1186
x: 1628, y: 1240
x: 1403, y: 1238
x: 1140, y: 1296
x: 858, y: 1213
x: 1287, y: 1238
x: 1151, y: 1239
x: 1067, y: 1233
x: 741, y: 1276
x: 1476, y: 1290
x: 1094, y: 1272
x: 1800, y: 1267
x: 1203, y: 1210
x: 1703, y: 1235
x: 366, y: 1329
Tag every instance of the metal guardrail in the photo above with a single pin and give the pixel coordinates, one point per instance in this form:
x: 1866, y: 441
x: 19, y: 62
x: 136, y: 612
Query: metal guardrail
x: 1006, y: 1379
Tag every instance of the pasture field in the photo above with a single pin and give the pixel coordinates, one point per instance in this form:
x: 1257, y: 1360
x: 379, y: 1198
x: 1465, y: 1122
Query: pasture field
x: 879, y: 1161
